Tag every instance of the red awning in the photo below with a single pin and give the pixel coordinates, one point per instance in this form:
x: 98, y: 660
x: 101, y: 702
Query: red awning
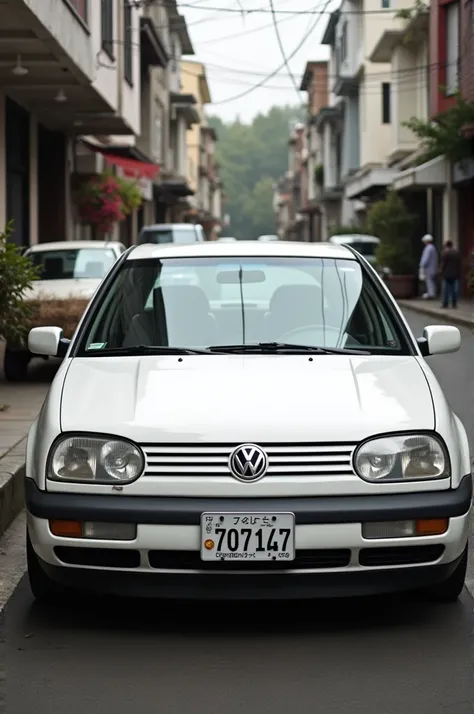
x: 132, y: 167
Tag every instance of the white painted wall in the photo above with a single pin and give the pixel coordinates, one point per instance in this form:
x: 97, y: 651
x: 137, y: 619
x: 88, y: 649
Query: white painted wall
x: 130, y: 103
x: 66, y: 29
x: 375, y: 137
x: 352, y: 18
x: 106, y: 71
x: 409, y: 91
x: 174, y: 67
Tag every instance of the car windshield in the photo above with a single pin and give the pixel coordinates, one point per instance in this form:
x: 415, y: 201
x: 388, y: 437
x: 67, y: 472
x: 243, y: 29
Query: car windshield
x: 168, y: 235
x: 80, y: 263
x: 207, y: 302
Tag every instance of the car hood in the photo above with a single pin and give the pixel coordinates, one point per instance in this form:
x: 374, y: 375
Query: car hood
x: 236, y: 398
x: 62, y: 289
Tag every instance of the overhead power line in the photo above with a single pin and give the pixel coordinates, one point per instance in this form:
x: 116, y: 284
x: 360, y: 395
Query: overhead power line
x: 282, y: 49
x: 267, y: 11
x: 280, y: 67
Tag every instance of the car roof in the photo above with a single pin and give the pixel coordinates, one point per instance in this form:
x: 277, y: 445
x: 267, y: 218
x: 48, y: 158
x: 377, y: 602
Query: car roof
x: 169, y: 227
x: 241, y: 249
x: 72, y: 244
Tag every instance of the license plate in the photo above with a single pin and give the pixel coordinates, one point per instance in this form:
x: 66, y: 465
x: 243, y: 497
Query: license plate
x: 248, y: 536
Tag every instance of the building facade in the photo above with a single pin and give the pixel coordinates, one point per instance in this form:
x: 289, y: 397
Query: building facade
x: 315, y: 83
x: 202, y: 169
x: 88, y: 86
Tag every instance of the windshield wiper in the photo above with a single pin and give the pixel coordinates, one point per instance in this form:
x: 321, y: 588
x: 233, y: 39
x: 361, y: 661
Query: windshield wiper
x: 286, y: 348
x: 143, y: 350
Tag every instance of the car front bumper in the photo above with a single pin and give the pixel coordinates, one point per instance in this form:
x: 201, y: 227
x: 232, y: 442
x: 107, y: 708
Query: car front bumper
x: 332, y: 557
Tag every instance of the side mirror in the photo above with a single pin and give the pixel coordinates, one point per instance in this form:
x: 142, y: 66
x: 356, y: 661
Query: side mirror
x: 47, y: 342
x: 439, y: 339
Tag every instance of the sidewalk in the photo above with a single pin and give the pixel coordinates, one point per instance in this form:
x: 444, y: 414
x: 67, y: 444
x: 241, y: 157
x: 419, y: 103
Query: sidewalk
x: 19, y: 405
x: 463, y: 315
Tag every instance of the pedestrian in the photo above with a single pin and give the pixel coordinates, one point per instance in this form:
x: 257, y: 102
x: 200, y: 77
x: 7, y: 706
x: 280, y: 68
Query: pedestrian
x: 450, y: 269
x: 429, y: 267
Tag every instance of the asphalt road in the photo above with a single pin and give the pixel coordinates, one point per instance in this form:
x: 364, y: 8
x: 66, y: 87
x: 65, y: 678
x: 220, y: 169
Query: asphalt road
x: 384, y: 656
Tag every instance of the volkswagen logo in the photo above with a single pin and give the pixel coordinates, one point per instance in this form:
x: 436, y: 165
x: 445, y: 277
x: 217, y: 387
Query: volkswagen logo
x: 248, y: 462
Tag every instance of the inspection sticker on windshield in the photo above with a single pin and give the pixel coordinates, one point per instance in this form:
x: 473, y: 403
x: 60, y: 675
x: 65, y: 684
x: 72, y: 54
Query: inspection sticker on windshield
x: 97, y: 346
x: 248, y: 536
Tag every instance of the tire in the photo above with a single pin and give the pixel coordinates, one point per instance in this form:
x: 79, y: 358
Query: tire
x: 43, y: 588
x: 449, y: 590
x: 15, y: 365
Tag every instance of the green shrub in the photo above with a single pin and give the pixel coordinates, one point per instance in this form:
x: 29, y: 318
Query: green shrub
x: 16, y: 275
x: 390, y: 221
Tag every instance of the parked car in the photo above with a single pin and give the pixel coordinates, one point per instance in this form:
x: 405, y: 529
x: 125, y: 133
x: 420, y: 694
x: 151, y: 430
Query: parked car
x: 268, y: 238
x: 71, y: 271
x: 199, y: 441
x: 172, y: 233
x: 365, y: 245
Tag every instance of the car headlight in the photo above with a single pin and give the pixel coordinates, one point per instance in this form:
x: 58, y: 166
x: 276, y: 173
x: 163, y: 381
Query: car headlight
x: 402, y: 458
x: 97, y: 459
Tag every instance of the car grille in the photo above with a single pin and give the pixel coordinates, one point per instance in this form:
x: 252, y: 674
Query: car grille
x: 284, y: 459
x: 305, y: 559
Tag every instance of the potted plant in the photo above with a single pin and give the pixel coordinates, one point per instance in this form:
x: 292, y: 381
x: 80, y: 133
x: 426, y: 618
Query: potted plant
x: 105, y: 200
x: 390, y: 221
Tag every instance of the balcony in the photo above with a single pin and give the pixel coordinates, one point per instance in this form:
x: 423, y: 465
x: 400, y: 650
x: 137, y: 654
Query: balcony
x: 348, y: 76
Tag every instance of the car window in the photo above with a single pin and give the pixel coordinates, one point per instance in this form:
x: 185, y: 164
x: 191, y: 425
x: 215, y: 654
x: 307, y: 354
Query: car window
x: 174, y: 235
x: 199, y: 302
x: 364, y: 248
x: 81, y: 263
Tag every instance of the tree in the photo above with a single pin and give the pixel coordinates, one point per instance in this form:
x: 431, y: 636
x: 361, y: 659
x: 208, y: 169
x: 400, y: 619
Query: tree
x: 250, y: 154
x: 390, y: 221
x: 444, y: 135
x: 257, y: 206
x: 16, y: 275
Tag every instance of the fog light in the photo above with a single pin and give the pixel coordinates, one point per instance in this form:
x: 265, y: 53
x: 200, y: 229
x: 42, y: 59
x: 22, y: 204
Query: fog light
x: 110, y: 531
x: 92, y: 530
x: 405, y: 529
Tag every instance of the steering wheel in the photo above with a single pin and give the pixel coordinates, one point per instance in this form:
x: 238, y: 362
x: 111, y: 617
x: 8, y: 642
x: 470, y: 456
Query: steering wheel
x: 297, y: 331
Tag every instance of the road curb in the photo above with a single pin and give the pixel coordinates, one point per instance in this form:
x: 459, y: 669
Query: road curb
x: 12, y: 490
x: 451, y: 317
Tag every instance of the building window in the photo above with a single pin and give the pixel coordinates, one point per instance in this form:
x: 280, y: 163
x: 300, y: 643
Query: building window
x: 107, y: 27
x: 452, y: 48
x: 157, y: 140
x: 80, y: 6
x: 386, y: 108
x: 127, y: 42
x: 385, y: 4
x: 344, y: 42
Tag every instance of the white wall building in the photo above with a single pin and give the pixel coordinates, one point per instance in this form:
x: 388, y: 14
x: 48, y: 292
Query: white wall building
x: 76, y: 72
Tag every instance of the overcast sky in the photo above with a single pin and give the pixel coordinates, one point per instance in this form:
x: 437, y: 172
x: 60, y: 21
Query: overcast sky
x: 240, y: 49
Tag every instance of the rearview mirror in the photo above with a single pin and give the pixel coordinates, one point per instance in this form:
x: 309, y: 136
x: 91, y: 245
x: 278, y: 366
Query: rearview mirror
x: 234, y: 277
x: 47, y: 342
x: 440, y: 339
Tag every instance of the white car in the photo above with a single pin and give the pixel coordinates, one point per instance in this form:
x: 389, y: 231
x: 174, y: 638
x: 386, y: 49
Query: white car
x: 216, y: 440
x: 172, y: 233
x: 363, y: 244
x: 69, y: 270
x: 268, y: 238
